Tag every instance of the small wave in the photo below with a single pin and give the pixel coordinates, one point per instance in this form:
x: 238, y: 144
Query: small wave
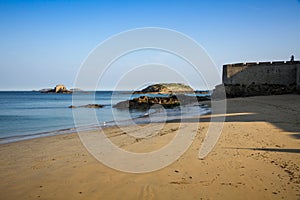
x: 16, y: 138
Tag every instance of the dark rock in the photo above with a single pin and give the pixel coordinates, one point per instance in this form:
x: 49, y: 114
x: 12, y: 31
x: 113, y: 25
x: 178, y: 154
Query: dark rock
x: 93, y: 106
x: 122, y: 104
x: 88, y: 106
x: 45, y: 90
x: 202, y: 92
x: 145, y: 102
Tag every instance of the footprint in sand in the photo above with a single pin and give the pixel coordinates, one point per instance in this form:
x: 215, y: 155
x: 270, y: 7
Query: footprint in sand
x: 146, y: 192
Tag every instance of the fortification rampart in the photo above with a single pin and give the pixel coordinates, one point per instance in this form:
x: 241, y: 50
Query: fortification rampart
x: 261, y: 78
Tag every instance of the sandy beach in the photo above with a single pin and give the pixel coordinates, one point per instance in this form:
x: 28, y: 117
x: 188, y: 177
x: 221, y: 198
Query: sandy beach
x: 256, y: 157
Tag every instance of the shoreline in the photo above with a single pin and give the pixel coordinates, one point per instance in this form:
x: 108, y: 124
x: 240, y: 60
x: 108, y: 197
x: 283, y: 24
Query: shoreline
x: 17, y: 138
x: 257, y: 156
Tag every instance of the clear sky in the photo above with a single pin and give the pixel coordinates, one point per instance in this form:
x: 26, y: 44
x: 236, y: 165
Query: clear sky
x: 43, y: 43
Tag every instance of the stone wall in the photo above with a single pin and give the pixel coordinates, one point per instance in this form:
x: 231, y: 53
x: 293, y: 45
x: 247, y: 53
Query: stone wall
x: 298, y: 79
x: 262, y: 78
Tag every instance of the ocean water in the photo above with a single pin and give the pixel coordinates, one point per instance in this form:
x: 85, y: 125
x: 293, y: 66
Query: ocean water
x: 25, y: 115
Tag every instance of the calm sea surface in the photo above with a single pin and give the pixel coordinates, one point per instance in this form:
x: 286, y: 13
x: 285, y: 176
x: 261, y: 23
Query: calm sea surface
x: 25, y: 115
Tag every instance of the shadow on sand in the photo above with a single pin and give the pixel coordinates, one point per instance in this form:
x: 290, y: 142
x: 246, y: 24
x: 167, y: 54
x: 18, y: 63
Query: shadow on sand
x: 282, y: 111
x: 271, y: 150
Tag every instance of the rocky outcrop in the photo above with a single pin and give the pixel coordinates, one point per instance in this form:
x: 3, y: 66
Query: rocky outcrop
x: 145, y: 102
x: 88, y: 106
x: 166, y: 88
x: 170, y: 101
x: 57, y: 89
x: 60, y: 89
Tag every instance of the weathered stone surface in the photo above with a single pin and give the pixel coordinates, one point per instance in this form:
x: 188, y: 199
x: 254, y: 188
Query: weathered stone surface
x: 263, y: 78
x: 258, y: 90
x: 298, y: 79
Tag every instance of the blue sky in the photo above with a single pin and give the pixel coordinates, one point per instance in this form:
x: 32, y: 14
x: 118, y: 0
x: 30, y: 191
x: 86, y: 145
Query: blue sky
x: 43, y: 43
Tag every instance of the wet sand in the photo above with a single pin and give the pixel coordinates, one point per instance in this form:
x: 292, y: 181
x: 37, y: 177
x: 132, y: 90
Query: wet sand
x: 256, y: 157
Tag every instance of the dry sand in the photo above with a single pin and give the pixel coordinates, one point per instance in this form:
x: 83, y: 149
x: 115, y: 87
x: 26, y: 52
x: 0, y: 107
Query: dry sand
x: 256, y: 157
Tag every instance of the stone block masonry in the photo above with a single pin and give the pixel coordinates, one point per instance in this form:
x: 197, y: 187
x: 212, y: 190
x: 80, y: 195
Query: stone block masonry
x: 261, y: 78
x: 298, y: 78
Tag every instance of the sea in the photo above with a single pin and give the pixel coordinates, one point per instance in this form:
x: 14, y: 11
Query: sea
x: 31, y: 114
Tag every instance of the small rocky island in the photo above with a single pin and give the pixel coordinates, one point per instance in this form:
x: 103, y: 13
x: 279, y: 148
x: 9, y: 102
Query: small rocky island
x: 166, y: 88
x: 176, y: 96
x: 57, y: 89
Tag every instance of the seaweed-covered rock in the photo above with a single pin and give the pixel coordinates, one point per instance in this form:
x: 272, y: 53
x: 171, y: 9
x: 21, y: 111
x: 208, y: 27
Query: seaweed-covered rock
x: 145, y: 102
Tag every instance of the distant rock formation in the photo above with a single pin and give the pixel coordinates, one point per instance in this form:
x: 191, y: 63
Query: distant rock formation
x: 88, y: 106
x: 76, y: 90
x: 145, y: 102
x: 166, y: 88
x: 57, y: 89
x: 60, y: 89
x: 45, y: 90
